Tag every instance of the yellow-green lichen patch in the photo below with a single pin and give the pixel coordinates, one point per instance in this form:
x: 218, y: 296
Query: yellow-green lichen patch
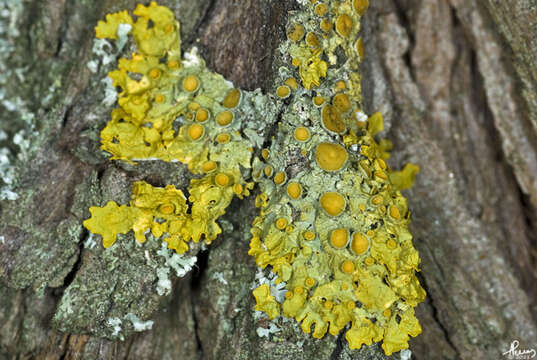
x: 332, y: 224
x: 166, y: 107
x: 336, y: 232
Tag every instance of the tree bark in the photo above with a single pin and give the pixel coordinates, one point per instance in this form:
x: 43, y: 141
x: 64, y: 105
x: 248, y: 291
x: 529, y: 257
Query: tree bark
x: 456, y: 81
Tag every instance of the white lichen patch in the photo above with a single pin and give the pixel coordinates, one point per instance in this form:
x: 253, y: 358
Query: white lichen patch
x: 220, y: 277
x: 192, y: 59
x: 179, y: 263
x: 105, y: 52
x: 13, y: 108
x: 110, y: 93
x: 138, y: 324
x: 90, y: 242
x: 406, y: 354
x: 277, y: 289
x: 114, y: 323
x: 266, y: 332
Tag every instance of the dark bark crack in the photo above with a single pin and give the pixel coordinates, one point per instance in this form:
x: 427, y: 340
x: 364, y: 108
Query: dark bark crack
x: 438, y: 321
x: 339, y: 346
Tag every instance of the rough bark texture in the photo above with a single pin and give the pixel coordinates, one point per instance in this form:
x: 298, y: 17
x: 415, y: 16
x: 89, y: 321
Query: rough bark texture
x: 457, y: 83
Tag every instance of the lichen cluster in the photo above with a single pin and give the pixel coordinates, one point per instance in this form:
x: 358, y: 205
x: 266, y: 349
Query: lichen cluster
x: 333, y: 224
x: 173, y: 109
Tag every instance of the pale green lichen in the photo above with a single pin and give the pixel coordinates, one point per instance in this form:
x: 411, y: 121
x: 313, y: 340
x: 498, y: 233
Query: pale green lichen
x: 334, y: 228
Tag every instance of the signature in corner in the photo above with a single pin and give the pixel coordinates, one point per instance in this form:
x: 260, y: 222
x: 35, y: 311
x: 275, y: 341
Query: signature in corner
x: 515, y: 353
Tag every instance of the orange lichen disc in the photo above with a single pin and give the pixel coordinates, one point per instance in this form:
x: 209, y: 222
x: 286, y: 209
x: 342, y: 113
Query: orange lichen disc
x: 159, y: 99
x: 340, y: 85
x: 294, y: 190
x: 325, y: 25
x: 167, y: 208
x: 223, y: 138
x: 331, y: 119
x: 221, y: 179
x: 155, y: 73
x: 321, y: 9
x: 238, y: 189
x: 202, y: 115
x: 312, y: 40
x: 268, y: 171
x: 292, y: 83
x: 224, y: 118
x: 333, y: 203
x: 232, y: 99
x: 309, y: 235
x: 360, y: 6
x: 173, y: 64
x: 208, y: 166
x: 347, y: 266
x: 302, y: 134
x: 280, y: 178
x: 283, y: 91
x: 195, y: 131
x: 318, y: 100
x: 377, y: 200
x: 191, y: 83
x: 341, y: 102
x: 360, y: 48
x: 295, y: 32
x: 193, y: 106
x: 394, y: 212
x: 339, y: 238
x: 359, y: 244
x: 344, y: 25
x: 281, y: 223
x: 331, y: 156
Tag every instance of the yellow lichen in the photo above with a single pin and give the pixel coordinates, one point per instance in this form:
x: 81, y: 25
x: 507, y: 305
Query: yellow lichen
x: 266, y: 302
x: 146, y: 206
x: 108, y: 29
x: 336, y: 234
x: 152, y: 96
x: 110, y: 220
